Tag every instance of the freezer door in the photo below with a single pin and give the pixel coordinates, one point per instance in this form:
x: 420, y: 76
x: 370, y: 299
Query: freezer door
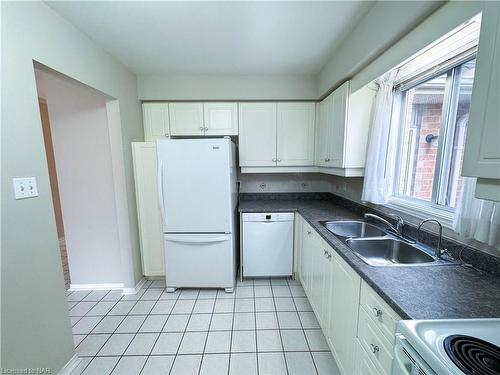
x: 195, y: 180
x: 199, y: 260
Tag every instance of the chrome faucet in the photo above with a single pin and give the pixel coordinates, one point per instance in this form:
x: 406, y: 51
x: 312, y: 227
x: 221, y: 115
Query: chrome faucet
x: 438, y: 250
x: 399, y: 225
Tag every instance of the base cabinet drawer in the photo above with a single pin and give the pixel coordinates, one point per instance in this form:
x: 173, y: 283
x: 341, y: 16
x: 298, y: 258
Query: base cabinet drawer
x: 364, y: 365
x: 372, y: 340
x: 380, y: 313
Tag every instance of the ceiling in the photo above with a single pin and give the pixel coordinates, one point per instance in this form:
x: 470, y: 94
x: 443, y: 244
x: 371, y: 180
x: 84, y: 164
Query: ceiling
x: 229, y: 38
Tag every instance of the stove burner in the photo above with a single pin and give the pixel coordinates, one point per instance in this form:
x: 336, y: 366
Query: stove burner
x: 472, y: 355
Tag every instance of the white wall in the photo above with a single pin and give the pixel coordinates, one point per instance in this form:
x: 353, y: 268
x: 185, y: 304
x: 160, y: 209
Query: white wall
x: 442, y: 21
x: 381, y: 27
x: 206, y: 87
x: 79, y: 127
x: 36, y: 330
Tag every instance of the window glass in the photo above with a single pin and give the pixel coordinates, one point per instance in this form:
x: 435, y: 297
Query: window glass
x: 432, y: 128
x: 460, y: 125
x: 423, y: 106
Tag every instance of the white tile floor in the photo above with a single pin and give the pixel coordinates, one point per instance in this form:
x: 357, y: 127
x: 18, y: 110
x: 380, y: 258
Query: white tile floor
x: 264, y: 327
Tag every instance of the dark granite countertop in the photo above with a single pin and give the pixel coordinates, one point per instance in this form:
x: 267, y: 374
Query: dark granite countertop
x: 414, y: 292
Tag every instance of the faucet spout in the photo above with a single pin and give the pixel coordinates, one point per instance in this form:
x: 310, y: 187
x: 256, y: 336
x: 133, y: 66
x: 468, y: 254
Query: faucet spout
x: 397, y: 229
x: 438, y: 250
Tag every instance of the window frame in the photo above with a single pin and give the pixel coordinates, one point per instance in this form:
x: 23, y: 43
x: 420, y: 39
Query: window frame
x: 415, y: 206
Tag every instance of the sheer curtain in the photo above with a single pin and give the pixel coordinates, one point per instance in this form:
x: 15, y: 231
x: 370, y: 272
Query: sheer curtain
x: 376, y: 181
x: 477, y: 218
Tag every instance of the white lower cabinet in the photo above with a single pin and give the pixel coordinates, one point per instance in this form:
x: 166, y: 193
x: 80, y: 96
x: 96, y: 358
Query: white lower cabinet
x: 343, y: 312
x: 358, y: 325
x: 148, y: 209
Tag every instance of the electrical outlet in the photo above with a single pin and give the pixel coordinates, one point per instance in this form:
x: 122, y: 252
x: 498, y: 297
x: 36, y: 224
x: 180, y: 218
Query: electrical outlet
x: 25, y: 187
x: 263, y: 186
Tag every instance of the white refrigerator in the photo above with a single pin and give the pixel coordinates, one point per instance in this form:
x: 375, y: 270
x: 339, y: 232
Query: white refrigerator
x: 198, y: 198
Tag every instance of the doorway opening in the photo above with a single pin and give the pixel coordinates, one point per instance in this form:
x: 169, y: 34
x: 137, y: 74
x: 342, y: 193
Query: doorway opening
x: 78, y: 145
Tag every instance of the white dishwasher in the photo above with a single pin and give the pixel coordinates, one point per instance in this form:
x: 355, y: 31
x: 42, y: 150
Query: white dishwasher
x: 267, y: 244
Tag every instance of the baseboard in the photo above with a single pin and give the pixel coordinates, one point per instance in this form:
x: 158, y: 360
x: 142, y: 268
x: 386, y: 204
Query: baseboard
x: 109, y: 286
x: 136, y: 288
x: 70, y: 366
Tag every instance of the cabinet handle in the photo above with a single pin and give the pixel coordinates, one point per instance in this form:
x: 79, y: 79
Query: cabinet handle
x: 167, y: 135
x: 377, y: 312
x: 279, y: 160
x: 274, y: 159
x: 325, y: 252
x: 327, y: 160
x: 309, y: 232
x: 201, y: 128
x: 329, y: 256
x: 206, y: 127
x: 375, y: 349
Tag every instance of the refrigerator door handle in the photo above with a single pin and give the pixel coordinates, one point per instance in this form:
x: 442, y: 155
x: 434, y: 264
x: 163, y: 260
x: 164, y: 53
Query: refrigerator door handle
x: 160, y: 190
x: 196, y: 238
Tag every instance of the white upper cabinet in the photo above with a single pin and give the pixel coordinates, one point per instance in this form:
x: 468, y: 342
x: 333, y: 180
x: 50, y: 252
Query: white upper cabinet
x: 342, y: 130
x: 482, y: 154
x: 186, y: 119
x: 257, y: 134
x: 295, y: 134
x: 156, y: 121
x: 189, y: 119
x: 221, y: 118
x: 339, y: 121
x: 276, y: 134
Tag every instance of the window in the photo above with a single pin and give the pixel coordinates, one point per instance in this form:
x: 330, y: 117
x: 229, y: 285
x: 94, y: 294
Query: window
x: 432, y: 128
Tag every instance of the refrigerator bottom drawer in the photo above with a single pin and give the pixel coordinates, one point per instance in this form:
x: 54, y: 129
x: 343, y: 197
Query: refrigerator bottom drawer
x: 199, y: 261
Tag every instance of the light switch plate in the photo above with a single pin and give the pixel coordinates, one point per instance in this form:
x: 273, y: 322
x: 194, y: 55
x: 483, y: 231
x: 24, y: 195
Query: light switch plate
x: 25, y: 187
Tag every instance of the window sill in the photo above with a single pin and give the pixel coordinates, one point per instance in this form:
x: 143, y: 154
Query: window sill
x: 421, y: 211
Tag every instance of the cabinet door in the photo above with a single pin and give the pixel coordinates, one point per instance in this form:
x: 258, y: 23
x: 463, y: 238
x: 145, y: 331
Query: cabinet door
x: 221, y: 118
x: 321, y: 291
x: 317, y: 272
x: 148, y: 209
x: 482, y: 154
x: 323, y: 132
x: 257, y: 134
x: 305, y: 257
x: 186, y: 119
x: 343, y: 313
x: 338, y: 125
x: 156, y: 121
x: 295, y: 134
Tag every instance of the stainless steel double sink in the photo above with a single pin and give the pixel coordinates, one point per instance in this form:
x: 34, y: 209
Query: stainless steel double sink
x: 378, y: 247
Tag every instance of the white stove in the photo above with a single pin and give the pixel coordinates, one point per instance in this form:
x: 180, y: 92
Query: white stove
x: 447, y: 347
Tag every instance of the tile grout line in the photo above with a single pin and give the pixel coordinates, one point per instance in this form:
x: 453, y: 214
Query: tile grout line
x: 185, y: 328
x: 135, y: 334
x: 232, y: 329
x: 208, y: 332
x: 305, y: 336
x: 161, y: 330
x: 100, y: 348
x: 256, y: 336
x: 279, y: 328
